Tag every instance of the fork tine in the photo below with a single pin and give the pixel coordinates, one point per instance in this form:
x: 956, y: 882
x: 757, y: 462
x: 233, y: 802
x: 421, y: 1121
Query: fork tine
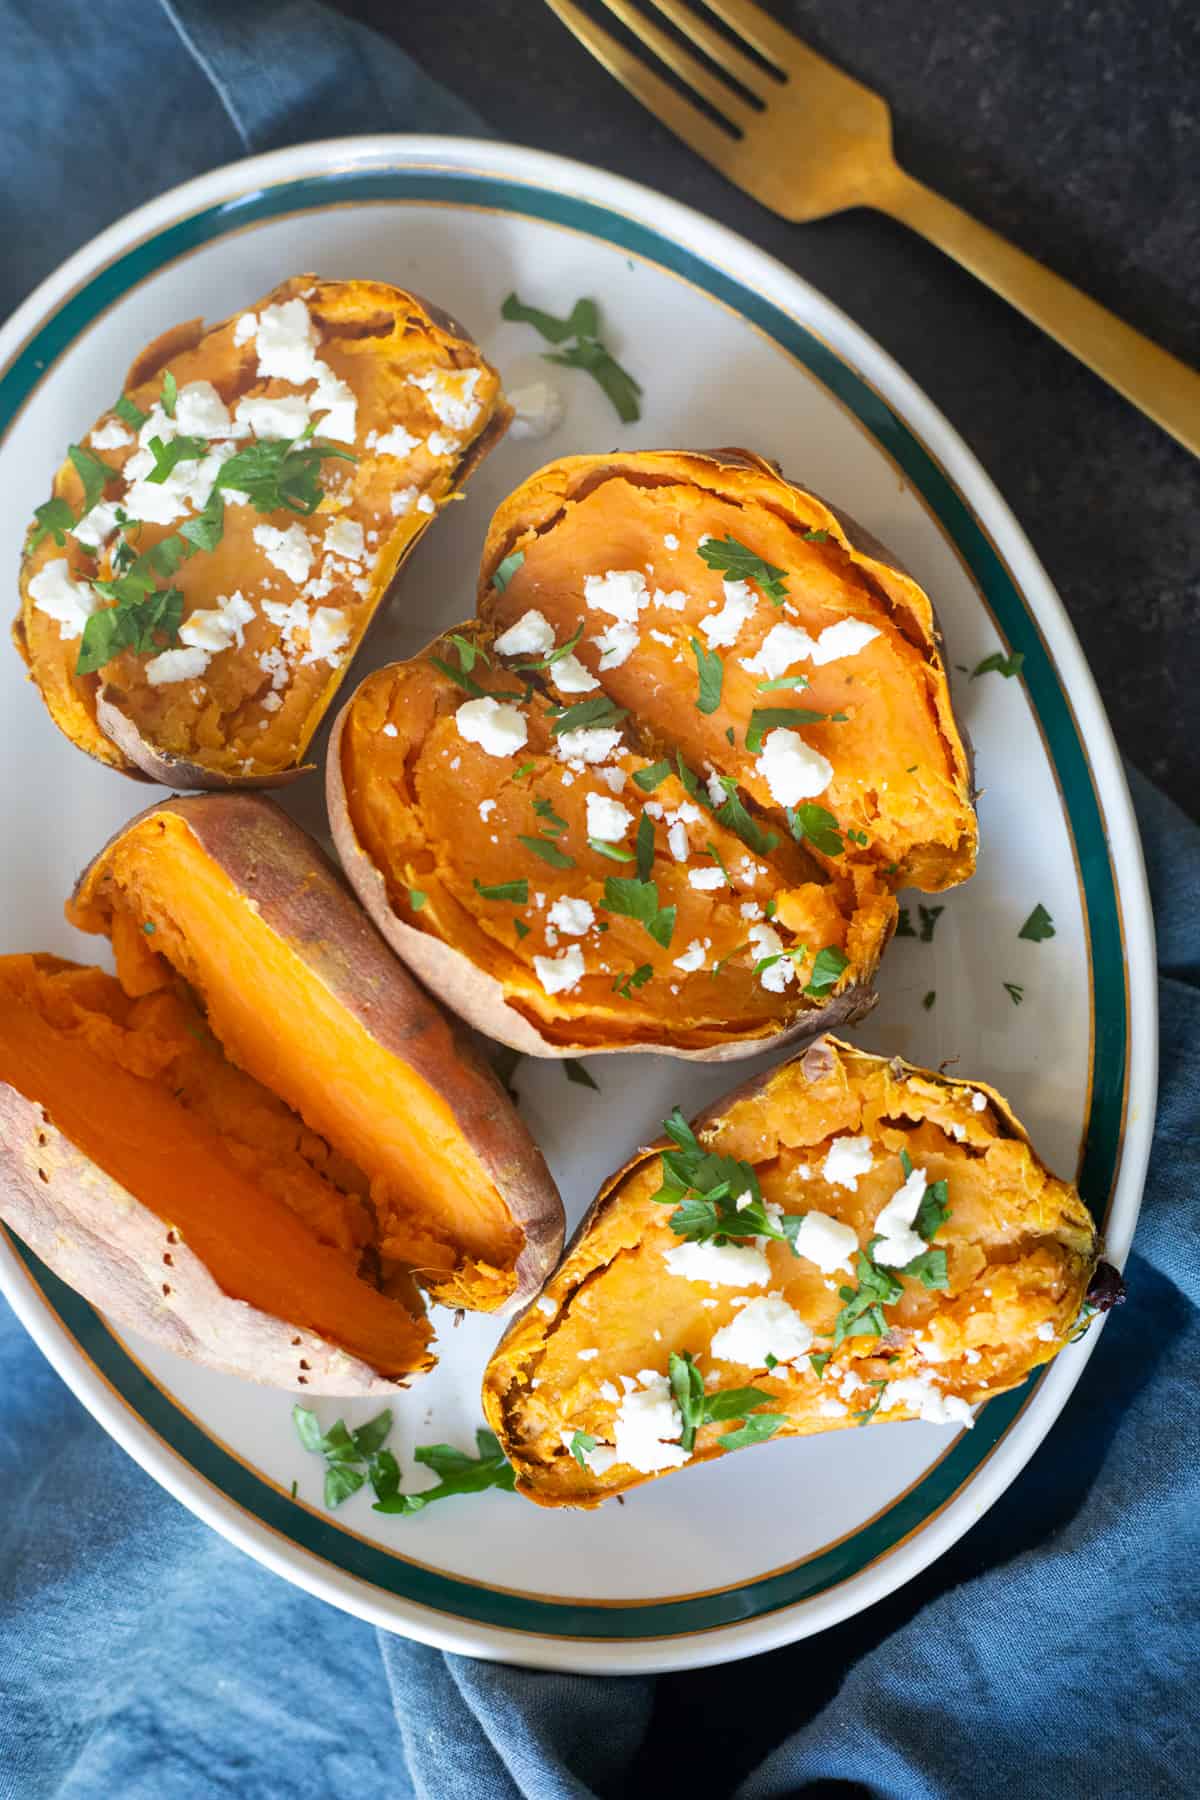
x: 752, y: 75
x: 682, y: 63
x: 771, y: 39
x: 679, y: 115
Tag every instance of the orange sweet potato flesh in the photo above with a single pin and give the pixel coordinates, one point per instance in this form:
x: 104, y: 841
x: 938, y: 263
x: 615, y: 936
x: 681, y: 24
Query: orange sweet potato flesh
x: 139, y: 1084
x: 248, y: 717
x: 277, y: 1003
x: 900, y: 767
x: 408, y: 803
x: 1020, y: 1249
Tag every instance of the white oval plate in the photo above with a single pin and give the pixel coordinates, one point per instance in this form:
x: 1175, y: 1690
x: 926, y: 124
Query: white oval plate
x: 731, y: 348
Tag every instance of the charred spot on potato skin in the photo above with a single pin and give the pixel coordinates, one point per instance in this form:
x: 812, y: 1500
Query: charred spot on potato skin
x: 1106, y: 1288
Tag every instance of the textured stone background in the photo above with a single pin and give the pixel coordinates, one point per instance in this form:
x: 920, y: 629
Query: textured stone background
x: 1075, y: 129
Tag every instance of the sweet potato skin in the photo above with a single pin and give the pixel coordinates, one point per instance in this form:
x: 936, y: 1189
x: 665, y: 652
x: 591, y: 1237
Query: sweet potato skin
x: 298, y: 895
x: 93, y: 710
x: 114, y: 1251
x: 502, y: 1377
x: 479, y: 998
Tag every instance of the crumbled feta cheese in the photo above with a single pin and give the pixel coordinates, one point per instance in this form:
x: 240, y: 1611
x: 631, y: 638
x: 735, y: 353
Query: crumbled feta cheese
x: 617, y: 643
x: 573, y: 917
x: 451, y: 394
x: 327, y: 634
x: 559, y: 974
x: 396, y: 442
x: 532, y: 635
x: 486, y: 809
x: 766, y: 1327
x: 590, y: 745
x: 645, y: 1425
x: 1046, y: 1331
x: 426, y: 504
x: 677, y: 840
x: 245, y: 328
x: 706, y: 879
x: 957, y: 1132
x: 607, y: 819
x: 289, y: 551
x: 97, y: 526
x: 286, y: 341
x: 826, y: 1242
x: 216, y: 628
x: 537, y: 410
x: 782, y: 646
x: 389, y: 730
x: 721, y: 1265
x: 570, y: 676
x: 271, y: 703
x: 674, y: 601
x: 112, y: 436
x: 495, y: 726
x: 613, y: 779
x: 792, y: 769
x: 848, y: 1158
x: 898, y: 1242
x: 716, y: 792
x: 587, y: 1355
x: 546, y: 1305
x: 832, y: 1409
x: 201, y: 412
x: 403, y: 501
x: 846, y: 638
x: 722, y: 628
x: 692, y: 958
x: 919, y: 1395
x: 670, y: 541
x: 609, y: 1391
x: 176, y: 665
x: 765, y: 941
x: 620, y: 592
x: 68, y: 602
x: 274, y: 415
x: 440, y: 443
x: 750, y: 909
x: 662, y: 637
x: 344, y: 537
x: 978, y: 1101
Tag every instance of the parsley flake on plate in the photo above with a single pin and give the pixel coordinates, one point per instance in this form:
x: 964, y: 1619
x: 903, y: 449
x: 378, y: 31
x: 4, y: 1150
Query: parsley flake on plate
x: 1038, y: 926
x: 586, y: 351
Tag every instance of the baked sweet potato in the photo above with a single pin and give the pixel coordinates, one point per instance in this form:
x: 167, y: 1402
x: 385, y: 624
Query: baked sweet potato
x: 195, y: 589
x: 260, y: 1141
x: 843, y: 1240
x: 705, y: 735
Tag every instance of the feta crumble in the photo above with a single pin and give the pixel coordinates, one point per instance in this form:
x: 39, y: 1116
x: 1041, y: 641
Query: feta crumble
x: 590, y: 745
x: 68, y: 602
x: 607, y: 820
x: 692, y: 958
x: 720, y: 1265
x: 559, y: 974
x: 792, y: 769
x: 898, y: 1242
x: 571, y: 676
x: 722, y: 628
x: 765, y: 941
x: 344, y: 537
x: 620, y: 592
x: 496, y: 727
x: 919, y: 1395
x: 848, y: 1158
x: 289, y: 551
x: 647, y: 1426
x: 706, y: 879
x: 537, y: 410
x: 176, y: 665
x: 532, y: 635
x: 573, y: 917
x: 826, y: 1242
x: 617, y: 643
x: 112, y: 436
x: 766, y: 1327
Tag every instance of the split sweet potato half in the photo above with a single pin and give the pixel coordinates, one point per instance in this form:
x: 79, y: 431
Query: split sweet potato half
x: 844, y: 1240
x: 214, y: 551
x: 661, y: 794
x: 260, y: 1142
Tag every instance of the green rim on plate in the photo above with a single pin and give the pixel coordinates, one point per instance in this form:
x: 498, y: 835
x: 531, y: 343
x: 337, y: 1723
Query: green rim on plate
x: 324, y: 1538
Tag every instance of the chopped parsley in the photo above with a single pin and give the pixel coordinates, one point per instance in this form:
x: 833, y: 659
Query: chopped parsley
x: 614, y: 852
x: 904, y: 924
x: 862, y: 1307
x: 507, y: 569
x: 586, y: 715
x: 417, y: 898
x: 766, y: 718
x: 929, y: 999
x: 54, y: 519
x: 864, y: 1418
x: 556, y: 655
x: 815, y: 537
x: 1015, y: 992
x: 697, y: 1407
x: 206, y: 530
x: 820, y: 828
x: 710, y: 849
x: 459, y: 677
x: 704, y: 1189
x: 650, y: 778
x: 516, y: 891
x: 176, y: 450
x: 170, y: 394
x: 130, y: 413
x: 645, y: 847
x: 524, y: 770
x: 929, y: 918
x: 1038, y: 926
x: 281, y: 473
x: 829, y: 965
x: 740, y: 563
x: 999, y: 664
x: 545, y: 811
x: 819, y: 1359
x: 783, y: 681
x: 140, y: 621
x: 93, y: 473
x: 586, y: 351
x: 636, y: 978
x: 351, y: 1457
x: 734, y: 816
x: 459, y: 1472
x: 581, y: 1444
x: 549, y: 852
x: 638, y: 900
x: 711, y: 671
x: 576, y: 1072
x: 469, y: 652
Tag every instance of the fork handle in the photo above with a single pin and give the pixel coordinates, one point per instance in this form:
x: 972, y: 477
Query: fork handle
x: 1164, y: 388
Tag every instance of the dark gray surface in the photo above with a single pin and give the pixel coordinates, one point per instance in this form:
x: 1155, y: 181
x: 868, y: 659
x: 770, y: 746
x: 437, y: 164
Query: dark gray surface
x: 1073, y: 128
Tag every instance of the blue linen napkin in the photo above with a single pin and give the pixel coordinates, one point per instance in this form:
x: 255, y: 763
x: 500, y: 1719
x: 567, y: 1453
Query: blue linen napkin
x: 1052, y: 1651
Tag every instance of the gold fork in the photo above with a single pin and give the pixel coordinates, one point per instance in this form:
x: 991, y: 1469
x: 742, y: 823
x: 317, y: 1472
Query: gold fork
x: 819, y: 141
